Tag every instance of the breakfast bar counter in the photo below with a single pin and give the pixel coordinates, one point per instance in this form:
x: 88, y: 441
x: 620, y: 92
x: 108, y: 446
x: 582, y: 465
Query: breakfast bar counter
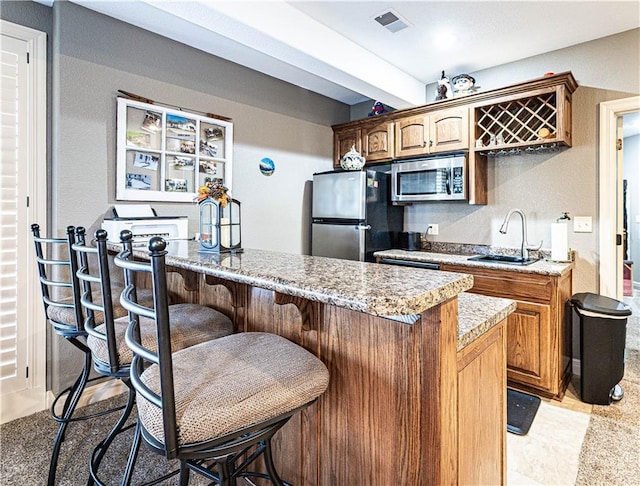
x: 414, y: 398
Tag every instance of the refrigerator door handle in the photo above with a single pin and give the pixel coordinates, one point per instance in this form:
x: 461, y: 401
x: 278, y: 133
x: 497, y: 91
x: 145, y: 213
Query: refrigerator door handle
x: 366, y: 227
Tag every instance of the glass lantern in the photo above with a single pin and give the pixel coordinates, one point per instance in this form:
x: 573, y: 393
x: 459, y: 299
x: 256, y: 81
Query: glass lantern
x: 220, y: 226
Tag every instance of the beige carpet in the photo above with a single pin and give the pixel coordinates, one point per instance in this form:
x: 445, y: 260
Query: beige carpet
x: 610, y: 452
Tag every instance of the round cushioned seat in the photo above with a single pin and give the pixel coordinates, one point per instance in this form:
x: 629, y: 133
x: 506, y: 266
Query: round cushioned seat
x: 191, y: 324
x: 66, y: 315
x: 234, y: 382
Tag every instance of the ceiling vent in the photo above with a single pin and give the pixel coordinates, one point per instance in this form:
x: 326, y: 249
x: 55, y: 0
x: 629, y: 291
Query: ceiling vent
x: 391, y: 21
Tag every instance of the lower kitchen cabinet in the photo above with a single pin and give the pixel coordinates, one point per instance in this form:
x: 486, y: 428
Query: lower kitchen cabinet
x: 538, y: 332
x: 482, y: 411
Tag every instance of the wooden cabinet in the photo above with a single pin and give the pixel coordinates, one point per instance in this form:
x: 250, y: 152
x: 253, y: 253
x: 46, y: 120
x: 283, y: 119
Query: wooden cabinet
x: 377, y: 142
x: 481, y: 453
x: 343, y: 140
x: 449, y: 130
x: 538, y: 332
x: 437, y: 132
x: 412, y: 136
x: 373, y: 140
x: 529, y: 117
x: 537, y: 120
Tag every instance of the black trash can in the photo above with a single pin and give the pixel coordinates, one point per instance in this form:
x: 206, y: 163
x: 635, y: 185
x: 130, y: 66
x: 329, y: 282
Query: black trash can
x: 603, y: 331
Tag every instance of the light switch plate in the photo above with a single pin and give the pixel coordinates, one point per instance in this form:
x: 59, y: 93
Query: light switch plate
x: 582, y: 224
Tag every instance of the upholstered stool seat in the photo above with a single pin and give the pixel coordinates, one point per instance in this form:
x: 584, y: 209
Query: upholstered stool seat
x: 193, y: 324
x: 67, y: 314
x: 248, y: 378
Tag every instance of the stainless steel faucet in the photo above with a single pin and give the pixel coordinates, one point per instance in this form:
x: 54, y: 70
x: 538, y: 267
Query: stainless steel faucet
x: 525, y: 247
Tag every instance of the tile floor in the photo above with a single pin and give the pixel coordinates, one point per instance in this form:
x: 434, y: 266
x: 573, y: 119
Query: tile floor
x: 548, y: 454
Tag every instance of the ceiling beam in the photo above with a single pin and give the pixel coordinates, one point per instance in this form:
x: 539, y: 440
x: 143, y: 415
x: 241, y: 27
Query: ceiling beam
x: 277, y: 39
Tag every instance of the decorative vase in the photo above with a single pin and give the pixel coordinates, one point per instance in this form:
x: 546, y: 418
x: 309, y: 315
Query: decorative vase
x: 352, y: 160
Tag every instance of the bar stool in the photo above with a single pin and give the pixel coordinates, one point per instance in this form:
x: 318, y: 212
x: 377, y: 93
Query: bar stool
x: 191, y: 324
x: 219, y: 418
x: 57, y: 266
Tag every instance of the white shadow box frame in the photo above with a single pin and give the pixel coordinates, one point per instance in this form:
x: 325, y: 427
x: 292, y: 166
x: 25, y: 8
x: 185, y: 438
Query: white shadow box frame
x: 165, y: 154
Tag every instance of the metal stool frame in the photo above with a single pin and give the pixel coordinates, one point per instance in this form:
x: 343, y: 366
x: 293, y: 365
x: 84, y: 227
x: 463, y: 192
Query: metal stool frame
x: 48, y: 265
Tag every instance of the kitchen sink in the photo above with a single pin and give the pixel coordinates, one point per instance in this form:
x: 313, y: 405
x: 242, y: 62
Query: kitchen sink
x: 509, y: 260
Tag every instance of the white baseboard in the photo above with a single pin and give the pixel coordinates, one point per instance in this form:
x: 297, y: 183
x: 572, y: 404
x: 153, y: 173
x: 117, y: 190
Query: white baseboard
x: 20, y: 404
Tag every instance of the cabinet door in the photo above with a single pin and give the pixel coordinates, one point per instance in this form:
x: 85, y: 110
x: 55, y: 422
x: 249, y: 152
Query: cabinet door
x: 343, y: 140
x: 482, y: 386
x: 412, y: 136
x: 378, y: 142
x: 529, y: 345
x: 449, y: 130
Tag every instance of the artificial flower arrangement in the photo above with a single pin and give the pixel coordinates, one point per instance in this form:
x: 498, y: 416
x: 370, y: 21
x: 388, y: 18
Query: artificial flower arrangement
x: 214, y: 190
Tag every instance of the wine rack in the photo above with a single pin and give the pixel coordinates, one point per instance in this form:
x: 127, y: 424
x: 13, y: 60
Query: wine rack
x: 526, y: 124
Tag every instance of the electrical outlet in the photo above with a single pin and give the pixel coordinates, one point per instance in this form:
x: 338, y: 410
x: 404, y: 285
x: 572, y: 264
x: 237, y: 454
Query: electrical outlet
x: 582, y: 224
x: 432, y: 229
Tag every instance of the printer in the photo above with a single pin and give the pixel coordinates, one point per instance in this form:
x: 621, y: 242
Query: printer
x: 144, y: 223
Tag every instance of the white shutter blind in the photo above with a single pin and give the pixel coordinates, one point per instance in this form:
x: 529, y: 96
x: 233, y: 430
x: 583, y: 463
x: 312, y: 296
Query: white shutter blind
x: 13, y: 219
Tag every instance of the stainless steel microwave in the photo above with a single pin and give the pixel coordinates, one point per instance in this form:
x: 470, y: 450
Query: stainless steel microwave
x: 429, y: 179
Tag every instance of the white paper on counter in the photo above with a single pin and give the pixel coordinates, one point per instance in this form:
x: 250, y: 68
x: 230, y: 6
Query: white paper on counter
x: 134, y: 210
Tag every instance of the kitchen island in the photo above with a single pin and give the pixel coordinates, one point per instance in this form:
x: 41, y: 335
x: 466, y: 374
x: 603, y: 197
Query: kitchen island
x: 414, y: 397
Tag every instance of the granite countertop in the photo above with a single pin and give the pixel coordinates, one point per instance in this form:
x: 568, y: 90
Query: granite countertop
x: 542, y: 266
x: 381, y: 290
x: 479, y: 313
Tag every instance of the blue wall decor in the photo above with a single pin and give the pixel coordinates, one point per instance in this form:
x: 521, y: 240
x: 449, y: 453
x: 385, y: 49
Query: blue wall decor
x: 267, y: 166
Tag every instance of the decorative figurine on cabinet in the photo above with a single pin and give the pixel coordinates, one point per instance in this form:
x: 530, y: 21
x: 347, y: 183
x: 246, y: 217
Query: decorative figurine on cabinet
x: 444, y: 91
x: 377, y: 109
x: 463, y: 84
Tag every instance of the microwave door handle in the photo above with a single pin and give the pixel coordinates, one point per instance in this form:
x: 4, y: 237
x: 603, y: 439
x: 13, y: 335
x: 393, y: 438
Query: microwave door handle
x: 448, y: 183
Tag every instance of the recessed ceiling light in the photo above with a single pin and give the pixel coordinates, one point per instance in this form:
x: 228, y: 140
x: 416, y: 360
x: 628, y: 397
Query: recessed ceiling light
x: 392, y: 21
x: 444, y: 38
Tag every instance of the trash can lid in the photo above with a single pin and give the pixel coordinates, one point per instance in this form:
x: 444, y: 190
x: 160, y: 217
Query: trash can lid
x: 599, y: 304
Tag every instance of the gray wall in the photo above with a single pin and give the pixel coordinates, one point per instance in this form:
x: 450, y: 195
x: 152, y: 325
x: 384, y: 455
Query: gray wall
x: 271, y: 119
x: 93, y: 56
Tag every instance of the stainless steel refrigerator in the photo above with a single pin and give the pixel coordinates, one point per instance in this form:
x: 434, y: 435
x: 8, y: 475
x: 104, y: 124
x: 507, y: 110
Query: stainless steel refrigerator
x: 352, y: 216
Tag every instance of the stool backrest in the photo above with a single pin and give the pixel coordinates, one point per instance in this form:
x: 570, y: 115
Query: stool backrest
x: 164, y: 399
x: 93, y: 268
x: 57, y: 267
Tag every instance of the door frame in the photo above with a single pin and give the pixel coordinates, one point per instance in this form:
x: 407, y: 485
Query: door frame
x: 33, y: 398
x: 607, y: 201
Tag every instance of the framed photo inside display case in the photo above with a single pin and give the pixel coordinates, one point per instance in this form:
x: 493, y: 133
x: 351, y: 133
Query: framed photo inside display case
x: 165, y: 154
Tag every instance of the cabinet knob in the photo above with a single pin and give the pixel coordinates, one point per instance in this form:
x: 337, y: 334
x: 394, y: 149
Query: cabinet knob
x: 424, y: 143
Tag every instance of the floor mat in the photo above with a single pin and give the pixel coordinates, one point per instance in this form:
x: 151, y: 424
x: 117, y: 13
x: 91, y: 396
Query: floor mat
x: 521, y: 410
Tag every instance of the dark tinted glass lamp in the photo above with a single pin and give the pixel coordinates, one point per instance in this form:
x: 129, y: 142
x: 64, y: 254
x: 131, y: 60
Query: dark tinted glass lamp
x: 220, y: 226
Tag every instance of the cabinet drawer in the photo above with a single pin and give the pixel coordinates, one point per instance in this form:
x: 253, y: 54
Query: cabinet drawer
x: 510, y: 285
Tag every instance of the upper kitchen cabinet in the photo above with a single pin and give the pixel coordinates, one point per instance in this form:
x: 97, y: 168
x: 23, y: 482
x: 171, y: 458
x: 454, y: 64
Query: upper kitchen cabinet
x: 529, y: 117
x: 373, y: 139
x: 437, y: 132
x: 343, y: 140
x: 534, y: 118
x: 377, y: 141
